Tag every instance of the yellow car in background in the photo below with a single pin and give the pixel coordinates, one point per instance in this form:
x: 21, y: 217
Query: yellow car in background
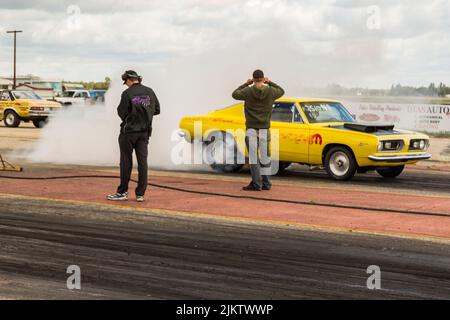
x: 318, y: 132
x: 25, y: 105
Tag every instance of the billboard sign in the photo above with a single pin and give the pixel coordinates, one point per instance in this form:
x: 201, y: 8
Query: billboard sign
x: 417, y: 117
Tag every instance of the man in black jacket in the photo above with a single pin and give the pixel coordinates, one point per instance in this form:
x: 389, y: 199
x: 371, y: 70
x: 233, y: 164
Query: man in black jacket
x: 137, y: 107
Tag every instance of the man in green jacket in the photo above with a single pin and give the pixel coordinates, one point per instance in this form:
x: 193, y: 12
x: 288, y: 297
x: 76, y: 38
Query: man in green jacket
x: 259, y: 95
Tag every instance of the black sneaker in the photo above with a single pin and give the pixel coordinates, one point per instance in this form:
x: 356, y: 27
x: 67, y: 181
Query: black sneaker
x: 267, y: 188
x: 118, y: 196
x: 251, y: 187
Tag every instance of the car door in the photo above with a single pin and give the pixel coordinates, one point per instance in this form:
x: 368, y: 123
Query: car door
x: 293, y: 133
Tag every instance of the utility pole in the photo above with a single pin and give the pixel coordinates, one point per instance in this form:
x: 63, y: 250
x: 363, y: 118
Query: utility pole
x: 15, y: 32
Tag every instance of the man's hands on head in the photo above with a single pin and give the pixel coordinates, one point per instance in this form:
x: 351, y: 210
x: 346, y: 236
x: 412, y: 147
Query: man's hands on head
x: 252, y: 81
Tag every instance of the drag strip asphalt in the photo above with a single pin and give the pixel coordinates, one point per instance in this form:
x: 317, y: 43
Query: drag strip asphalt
x: 340, y: 205
x: 125, y: 253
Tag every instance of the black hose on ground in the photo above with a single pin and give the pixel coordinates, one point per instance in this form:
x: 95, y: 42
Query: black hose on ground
x: 217, y: 194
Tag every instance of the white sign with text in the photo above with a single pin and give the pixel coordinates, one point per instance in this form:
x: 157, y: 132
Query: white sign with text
x: 417, y: 117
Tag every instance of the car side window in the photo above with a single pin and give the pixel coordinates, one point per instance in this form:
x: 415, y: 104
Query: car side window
x: 286, y: 112
x: 5, y: 96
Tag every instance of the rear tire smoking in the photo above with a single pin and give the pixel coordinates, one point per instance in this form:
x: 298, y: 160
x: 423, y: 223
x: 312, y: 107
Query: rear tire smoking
x: 215, y: 154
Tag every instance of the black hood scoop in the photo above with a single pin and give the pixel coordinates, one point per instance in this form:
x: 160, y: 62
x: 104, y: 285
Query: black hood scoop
x: 369, y: 128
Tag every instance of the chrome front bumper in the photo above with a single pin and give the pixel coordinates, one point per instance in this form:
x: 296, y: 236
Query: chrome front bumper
x: 38, y: 114
x: 402, y: 158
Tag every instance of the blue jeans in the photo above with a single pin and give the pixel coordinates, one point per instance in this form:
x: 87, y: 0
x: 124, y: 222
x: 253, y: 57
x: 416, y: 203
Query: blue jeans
x: 257, y: 142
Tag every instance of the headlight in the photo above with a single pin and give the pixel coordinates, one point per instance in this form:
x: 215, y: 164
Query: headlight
x: 391, y: 145
x: 418, y: 145
x: 380, y: 146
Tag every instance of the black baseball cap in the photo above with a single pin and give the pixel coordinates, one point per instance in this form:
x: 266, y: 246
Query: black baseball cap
x: 131, y: 74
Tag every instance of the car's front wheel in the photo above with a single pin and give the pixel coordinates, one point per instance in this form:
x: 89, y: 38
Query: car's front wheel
x: 391, y: 172
x: 222, y: 153
x: 12, y: 120
x: 40, y: 123
x: 340, y: 163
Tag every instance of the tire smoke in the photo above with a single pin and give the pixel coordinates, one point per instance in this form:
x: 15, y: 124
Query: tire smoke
x: 85, y: 134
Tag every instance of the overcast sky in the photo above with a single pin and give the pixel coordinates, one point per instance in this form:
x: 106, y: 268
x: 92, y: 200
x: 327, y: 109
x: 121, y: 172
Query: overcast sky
x: 352, y: 42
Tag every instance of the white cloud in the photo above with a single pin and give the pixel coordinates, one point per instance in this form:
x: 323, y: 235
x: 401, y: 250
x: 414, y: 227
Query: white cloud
x: 309, y: 41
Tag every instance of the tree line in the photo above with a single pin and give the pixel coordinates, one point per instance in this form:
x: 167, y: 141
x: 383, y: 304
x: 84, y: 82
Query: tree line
x: 432, y: 90
x: 102, y: 85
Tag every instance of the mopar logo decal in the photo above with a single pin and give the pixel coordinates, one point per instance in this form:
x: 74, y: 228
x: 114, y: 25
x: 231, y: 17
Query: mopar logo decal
x: 316, y: 139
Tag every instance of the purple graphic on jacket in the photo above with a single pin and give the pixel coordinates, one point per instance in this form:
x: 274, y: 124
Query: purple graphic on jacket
x: 142, y: 101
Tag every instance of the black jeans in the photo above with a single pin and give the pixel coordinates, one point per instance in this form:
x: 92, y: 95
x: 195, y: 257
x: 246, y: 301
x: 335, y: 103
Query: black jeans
x: 129, y: 142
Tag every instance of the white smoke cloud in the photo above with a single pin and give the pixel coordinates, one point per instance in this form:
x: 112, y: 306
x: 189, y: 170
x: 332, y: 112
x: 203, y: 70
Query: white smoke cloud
x: 87, y: 135
x: 81, y: 134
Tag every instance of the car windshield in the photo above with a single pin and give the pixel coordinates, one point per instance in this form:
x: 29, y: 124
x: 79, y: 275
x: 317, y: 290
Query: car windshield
x: 320, y: 112
x: 26, y: 95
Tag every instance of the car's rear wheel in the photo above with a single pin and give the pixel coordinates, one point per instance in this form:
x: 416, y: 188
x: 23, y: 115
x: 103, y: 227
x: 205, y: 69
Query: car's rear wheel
x: 391, y: 172
x: 222, y: 154
x: 40, y: 123
x: 340, y: 163
x: 12, y: 120
x: 283, y: 165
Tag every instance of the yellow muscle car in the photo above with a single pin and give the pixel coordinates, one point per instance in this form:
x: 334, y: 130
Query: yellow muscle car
x: 315, y: 132
x: 17, y: 106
